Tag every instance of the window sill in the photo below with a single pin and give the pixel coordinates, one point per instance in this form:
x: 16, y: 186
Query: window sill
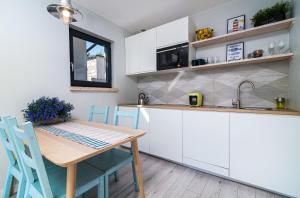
x: 93, y: 89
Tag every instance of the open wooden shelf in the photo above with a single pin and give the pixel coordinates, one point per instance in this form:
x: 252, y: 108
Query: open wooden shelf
x: 253, y: 61
x: 272, y: 27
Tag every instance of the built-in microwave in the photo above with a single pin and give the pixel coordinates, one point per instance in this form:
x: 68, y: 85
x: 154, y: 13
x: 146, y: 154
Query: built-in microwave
x: 176, y: 56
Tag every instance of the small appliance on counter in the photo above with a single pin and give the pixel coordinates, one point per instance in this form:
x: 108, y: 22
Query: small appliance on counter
x: 143, y: 99
x: 196, y: 99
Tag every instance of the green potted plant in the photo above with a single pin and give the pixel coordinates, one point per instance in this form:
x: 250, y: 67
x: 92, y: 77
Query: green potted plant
x: 280, y: 11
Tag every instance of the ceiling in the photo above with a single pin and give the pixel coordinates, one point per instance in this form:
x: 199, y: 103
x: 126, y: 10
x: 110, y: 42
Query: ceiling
x: 135, y: 15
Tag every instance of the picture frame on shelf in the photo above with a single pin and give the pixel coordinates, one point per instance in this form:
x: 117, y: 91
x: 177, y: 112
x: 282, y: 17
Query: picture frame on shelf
x: 235, y: 51
x: 236, y: 24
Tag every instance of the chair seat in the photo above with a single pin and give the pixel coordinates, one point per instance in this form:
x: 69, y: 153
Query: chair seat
x: 50, y: 167
x: 110, y: 160
x: 87, y: 177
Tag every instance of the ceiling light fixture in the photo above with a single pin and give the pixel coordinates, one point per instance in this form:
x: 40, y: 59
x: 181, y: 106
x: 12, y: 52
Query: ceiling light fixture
x: 65, y: 11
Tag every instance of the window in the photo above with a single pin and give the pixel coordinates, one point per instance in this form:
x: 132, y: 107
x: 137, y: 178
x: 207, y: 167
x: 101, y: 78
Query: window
x: 90, y: 59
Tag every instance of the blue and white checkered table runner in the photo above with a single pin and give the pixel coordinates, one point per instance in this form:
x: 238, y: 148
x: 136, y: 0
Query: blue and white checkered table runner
x: 90, y: 136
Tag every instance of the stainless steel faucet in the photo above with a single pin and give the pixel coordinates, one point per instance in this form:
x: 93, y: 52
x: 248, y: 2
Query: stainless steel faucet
x: 237, y: 103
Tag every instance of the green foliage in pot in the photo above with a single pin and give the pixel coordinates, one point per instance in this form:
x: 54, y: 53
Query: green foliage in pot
x: 275, y: 13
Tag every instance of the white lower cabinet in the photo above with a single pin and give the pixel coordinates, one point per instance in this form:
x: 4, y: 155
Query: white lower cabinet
x: 261, y: 150
x: 264, y: 151
x: 166, y: 134
x: 143, y: 124
x: 206, y: 141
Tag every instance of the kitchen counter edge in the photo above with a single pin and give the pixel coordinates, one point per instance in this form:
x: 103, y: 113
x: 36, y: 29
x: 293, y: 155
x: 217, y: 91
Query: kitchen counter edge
x: 216, y: 109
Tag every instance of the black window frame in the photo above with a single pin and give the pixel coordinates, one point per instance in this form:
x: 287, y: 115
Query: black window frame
x: 87, y: 37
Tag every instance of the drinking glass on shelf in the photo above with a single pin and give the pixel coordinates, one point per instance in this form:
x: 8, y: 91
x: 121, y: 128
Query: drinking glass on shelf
x: 216, y: 59
x: 210, y: 60
x: 272, y: 48
x: 281, y: 46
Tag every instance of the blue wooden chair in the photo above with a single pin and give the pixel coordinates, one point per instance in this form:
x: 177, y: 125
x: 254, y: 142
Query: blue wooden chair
x: 14, y: 167
x: 44, y: 183
x: 113, y: 160
x: 104, y: 113
x: 99, y: 111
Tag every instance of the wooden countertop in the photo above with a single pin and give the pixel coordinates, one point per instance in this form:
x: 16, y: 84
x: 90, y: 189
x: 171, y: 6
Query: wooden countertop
x: 217, y: 109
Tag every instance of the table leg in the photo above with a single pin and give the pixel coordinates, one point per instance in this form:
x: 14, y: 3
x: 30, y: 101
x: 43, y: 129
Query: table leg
x: 71, y: 181
x: 138, y: 168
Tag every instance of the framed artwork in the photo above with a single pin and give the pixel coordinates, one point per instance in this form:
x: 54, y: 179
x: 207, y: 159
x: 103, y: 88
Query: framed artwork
x: 235, y: 52
x: 236, y: 24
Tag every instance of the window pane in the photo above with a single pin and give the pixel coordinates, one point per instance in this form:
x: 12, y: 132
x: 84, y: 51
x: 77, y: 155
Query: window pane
x: 90, y: 61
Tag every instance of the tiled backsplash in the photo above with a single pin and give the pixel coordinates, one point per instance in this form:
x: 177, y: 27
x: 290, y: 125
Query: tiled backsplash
x: 219, y: 86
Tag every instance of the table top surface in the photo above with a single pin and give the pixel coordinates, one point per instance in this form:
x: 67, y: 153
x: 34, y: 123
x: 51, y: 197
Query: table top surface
x: 64, y: 152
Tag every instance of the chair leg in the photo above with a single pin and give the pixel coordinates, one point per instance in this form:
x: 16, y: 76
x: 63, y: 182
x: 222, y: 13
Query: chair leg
x: 101, y: 188
x: 8, y: 185
x: 116, y: 175
x: 136, y: 187
x: 106, y: 184
x: 26, y: 194
x: 21, y: 187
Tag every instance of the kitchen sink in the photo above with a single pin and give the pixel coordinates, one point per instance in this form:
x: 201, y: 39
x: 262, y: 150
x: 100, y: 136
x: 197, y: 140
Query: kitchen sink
x: 257, y: 108
x: 248, y: 108
x: 225, y: 107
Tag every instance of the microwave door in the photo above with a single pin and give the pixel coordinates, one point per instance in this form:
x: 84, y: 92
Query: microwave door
x: 167, y: 59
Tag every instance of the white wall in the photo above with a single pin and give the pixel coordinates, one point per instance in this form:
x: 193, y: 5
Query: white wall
x: 34, y: 51
x: 294, y: 76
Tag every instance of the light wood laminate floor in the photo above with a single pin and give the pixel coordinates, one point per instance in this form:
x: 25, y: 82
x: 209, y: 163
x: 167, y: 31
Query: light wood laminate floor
x: 163, y: 179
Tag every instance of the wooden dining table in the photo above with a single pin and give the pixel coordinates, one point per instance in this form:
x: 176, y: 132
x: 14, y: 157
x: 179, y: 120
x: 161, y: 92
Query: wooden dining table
x: 67, y: 153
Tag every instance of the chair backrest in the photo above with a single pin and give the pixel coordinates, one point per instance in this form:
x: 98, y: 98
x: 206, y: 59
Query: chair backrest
x: 134, y: 114
x: 99, y: 111
x: 30, y: 161
x: 7, y: 142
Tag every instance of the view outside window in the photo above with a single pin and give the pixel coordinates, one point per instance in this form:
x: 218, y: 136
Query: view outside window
x: 89, y: 61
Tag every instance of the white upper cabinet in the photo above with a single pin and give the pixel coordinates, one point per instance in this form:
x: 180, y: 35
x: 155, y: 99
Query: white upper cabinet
x: 173, y: 33
x: 141, y: 52
x: 264, y: 151
x: 166, y: 134
x: 132, y: 48
x: 148, y: 51
x: 206, y: 140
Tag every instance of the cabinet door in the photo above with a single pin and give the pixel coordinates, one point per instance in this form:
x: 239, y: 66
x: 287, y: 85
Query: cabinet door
x: 166, y: 134
x: 148, y: 51
x: 206, y: 137
x: 265, y: 151
x: 132, y: 50
x: 173, y: 33
x: 144, y: 117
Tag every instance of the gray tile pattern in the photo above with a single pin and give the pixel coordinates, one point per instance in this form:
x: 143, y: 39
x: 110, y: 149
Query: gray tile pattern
x: 219, y: 85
